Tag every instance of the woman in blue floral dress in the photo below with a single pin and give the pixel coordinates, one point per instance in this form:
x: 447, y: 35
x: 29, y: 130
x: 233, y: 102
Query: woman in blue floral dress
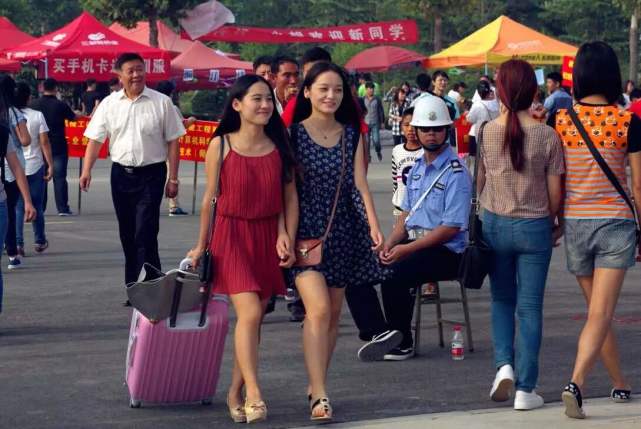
x: 326, y: 117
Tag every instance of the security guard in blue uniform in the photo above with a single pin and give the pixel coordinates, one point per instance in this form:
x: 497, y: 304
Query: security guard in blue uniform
x: 427, y: 243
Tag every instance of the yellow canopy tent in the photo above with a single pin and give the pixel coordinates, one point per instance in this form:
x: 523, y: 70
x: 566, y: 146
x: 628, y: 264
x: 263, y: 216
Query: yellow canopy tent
x: 499, y: 41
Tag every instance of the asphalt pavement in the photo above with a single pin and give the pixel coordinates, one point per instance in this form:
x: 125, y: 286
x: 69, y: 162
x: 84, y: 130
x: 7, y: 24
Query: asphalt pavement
x: 63, y: 338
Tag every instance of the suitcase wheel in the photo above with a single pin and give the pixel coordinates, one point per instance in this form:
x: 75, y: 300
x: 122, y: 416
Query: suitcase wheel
x: 134, y: 404
x: 207, y: 401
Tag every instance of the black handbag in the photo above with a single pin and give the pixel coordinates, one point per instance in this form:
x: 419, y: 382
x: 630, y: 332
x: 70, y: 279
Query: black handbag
x: 605, y: 168
x: 477, y: 256
x: 206, y: 263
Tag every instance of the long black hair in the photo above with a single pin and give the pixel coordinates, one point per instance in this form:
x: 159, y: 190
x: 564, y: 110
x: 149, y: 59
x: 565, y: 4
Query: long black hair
x: 275, y: 129
x: 7, y: 97
x: 347, y: 113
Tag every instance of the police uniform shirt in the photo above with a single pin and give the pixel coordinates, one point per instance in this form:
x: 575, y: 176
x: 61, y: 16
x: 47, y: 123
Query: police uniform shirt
x: 447, y: 204
x: 138, y: 130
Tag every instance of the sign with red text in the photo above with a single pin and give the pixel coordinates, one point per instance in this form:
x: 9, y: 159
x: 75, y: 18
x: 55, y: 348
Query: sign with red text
x: 399, y: 31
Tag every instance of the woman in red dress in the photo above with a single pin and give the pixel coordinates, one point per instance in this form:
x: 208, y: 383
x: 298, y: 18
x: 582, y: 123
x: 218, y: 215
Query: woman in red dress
x: 257, y: 205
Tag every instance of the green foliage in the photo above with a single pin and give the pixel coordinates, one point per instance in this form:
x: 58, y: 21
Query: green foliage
x: 208, y: 104
x: 38, y: 17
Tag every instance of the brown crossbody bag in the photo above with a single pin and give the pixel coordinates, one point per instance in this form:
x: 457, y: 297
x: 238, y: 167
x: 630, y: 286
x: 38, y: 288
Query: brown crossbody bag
x: 309, y: 252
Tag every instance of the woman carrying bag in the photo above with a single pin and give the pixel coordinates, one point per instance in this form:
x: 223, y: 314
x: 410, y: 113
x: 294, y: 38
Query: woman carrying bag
x: 253, y: 191
x: 519, y: 180
x: 338, y: 231
x: 600, y: 231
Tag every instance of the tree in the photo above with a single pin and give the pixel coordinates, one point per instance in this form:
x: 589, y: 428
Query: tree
x: 129, y: 12
x: 632, y: 8
x: 39, y: 17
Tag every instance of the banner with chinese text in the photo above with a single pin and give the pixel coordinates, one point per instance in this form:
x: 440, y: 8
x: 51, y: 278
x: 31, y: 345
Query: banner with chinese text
x: 193, y: 145
x: 77, y: 142
x: 100, y: 67
x: 400, y: 31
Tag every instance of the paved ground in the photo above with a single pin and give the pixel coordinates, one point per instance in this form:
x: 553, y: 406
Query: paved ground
x: 63, y: 336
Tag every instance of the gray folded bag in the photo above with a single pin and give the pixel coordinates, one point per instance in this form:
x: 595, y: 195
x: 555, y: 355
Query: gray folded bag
x: 154, y: 298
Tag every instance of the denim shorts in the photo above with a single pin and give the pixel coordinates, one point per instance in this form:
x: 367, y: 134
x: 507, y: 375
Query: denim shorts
x: 599, y: 243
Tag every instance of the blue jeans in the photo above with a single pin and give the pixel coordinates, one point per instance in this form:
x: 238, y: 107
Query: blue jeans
x: 37, y: 190
x: 522, y: 251
x: 374, y: 137
x: 4, y: 220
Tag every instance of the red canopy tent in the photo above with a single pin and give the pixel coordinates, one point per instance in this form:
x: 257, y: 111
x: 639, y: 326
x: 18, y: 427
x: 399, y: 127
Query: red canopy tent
x: 10, y: 35
x: 201, y: 67
x: 167, y: 38
x: 85, y: 48
x: 384, y: 58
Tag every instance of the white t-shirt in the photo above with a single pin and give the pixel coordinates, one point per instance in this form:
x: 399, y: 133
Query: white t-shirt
x: 481, y: 111
x: 402, y: 162
x: 454, y: 95
x: 33, y: 156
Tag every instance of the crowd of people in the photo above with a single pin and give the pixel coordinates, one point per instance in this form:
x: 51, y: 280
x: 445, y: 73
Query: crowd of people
x: 288, y: 168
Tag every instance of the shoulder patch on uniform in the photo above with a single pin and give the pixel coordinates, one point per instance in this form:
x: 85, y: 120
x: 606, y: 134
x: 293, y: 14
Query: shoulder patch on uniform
x: 457, y: 167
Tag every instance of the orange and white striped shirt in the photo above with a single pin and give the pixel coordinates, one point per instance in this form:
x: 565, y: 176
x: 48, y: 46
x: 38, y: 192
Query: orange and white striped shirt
x: 614, y: 132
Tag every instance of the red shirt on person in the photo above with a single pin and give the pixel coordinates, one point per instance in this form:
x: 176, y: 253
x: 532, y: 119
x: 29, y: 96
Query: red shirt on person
x: 636, y: 108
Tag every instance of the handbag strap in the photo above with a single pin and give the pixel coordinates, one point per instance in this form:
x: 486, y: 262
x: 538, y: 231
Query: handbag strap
x: 426, y: 193
x: 602, y: 162
x: 210, y: 227
x: 472, y: 224
x: 214, y: 200
x: 338, y: 188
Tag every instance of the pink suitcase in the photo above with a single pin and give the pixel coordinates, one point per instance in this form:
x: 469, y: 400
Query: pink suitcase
x: 167, y: 365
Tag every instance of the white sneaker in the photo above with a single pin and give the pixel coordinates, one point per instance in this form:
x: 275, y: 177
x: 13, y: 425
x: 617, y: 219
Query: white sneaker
x: 527, y: 400
x: 503, y: 383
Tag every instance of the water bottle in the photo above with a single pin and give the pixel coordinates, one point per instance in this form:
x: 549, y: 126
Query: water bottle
x: 458, y: 349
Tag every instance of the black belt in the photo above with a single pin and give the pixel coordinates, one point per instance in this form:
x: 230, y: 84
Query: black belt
x: 141, y: 169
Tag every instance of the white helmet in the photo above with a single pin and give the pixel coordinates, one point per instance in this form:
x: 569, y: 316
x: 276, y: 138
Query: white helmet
x: 430, y: 111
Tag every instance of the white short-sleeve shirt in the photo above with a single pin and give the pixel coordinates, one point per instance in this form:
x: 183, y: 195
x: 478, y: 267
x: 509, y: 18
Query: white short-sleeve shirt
x: 36, y: 124
x: 138, y: 130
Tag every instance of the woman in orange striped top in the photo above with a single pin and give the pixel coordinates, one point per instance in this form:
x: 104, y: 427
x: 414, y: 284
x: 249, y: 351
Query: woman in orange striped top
x: 600, y: 227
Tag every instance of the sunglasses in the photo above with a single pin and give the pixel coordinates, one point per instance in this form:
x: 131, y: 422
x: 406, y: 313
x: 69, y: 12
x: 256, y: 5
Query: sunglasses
x: 434, y: 129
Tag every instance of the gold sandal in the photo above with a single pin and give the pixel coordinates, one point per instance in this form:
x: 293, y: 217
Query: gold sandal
x: 327, y: 410
x: 255, y: 412
x: 237, y: 413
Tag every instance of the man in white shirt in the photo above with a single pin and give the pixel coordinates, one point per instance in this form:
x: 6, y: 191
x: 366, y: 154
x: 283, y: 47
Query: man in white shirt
x: 143, y: 130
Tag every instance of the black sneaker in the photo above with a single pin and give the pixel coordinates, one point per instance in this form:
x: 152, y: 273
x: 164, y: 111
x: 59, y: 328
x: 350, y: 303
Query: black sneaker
x: 399, y: 353
x: 573, y: 401
x: 380, y: 345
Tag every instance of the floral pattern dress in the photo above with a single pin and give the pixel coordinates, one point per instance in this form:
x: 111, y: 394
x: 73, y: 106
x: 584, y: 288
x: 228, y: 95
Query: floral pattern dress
x: 348, y: 259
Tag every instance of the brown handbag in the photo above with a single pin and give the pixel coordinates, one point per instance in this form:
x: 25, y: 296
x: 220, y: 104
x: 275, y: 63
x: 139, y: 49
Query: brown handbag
x: 309, y: 252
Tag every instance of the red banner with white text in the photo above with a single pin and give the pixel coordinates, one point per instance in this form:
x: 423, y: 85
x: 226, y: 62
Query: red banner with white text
x: 399, y: 31
x: 193, y: 145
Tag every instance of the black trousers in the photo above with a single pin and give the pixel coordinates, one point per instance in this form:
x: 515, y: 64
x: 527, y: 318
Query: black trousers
x: 426, y: 265
x: 13, y: 193
x: 137, y: 194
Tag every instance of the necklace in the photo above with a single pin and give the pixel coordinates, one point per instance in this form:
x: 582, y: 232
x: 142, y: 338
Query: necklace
x: 325, y: 136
